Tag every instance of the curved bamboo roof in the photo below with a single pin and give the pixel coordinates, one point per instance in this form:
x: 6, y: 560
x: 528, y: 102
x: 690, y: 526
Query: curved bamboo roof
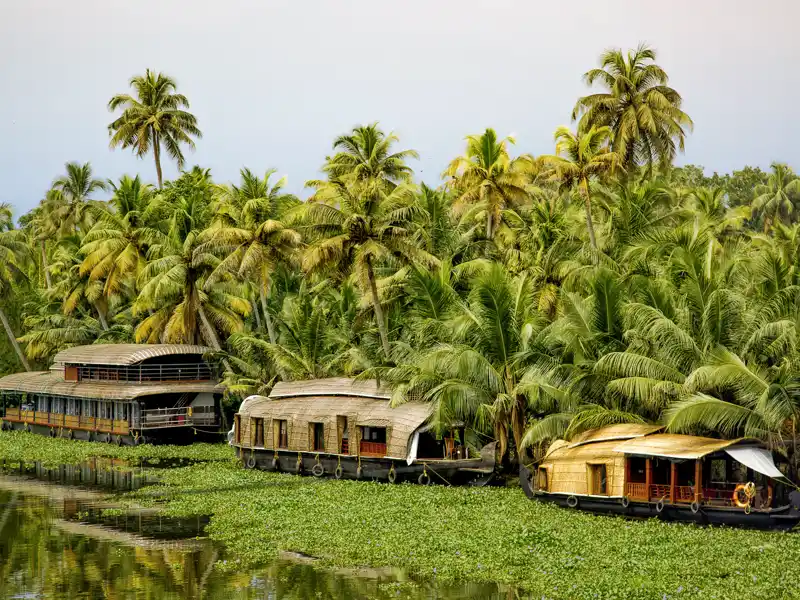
x: 44, y: 382
x: 121, y: 354
x: 622, y: 431
x: 333, y: 386
x: 672, y: 445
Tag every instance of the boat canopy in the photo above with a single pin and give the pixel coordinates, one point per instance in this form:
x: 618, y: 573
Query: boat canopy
x: 676, y: 446
x: 121, y: 354
x: 758, y: 459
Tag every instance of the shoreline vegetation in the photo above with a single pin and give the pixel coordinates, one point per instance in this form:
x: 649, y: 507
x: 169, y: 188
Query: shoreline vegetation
x: 448, y: 534
x: 529, y: 297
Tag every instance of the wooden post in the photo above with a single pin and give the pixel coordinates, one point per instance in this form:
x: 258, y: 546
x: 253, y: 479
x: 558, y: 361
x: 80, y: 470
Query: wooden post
x: 698, y: 480
x: 648, y: 476
x: 673, y: 480
x: 627, y: 476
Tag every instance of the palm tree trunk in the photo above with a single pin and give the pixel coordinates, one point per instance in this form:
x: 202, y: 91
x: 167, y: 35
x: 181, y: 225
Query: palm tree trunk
x: 47, y: 279
x: 376, y: 305
x: 12, y: 338
x: 157, y: 156
x: 257, y: 315
x: 262, y: 292
x: 103, y: 322
x: 489, y: 231
x: 587, y: 203
x: 210, y: 334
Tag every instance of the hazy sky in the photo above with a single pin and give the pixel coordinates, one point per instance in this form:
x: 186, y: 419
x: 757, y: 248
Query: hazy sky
x: 273, y: 82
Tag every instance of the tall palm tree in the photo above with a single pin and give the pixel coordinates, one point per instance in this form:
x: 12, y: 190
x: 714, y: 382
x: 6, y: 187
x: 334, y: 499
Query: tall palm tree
x: 115, y: 248
x: 174, y: 295
x: 6, y: 217
x: 252, y: 236
x: 488, y: 180
x: 776, y: 199
x: 642, y: 111
x: 153, y: 119
x: 366, y: 155
x: 13, y: 254
x: 70, y: 199
x: 580, y: 159
x: 360, y: 224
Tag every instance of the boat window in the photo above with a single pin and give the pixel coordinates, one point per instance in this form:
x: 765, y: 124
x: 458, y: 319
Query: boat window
x: 598, y: 480
x: 43, y: 404
x: 344, y: 434
x: 258, y: 432
x: 541, y: 482
x: 718, y: 474
x: 283, y: 434
x: 373, y: 441
x: 319, y: 437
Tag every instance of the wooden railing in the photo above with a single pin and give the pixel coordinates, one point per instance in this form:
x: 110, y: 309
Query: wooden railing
x: 372, y: 449
x: 63, y: 421
x: 145, y: 373
x: 636, y: 490
x: 185, y: 416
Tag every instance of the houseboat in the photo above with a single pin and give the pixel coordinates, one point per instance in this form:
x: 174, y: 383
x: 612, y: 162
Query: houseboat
x: 344, y: 428
x: 639, y: 471
x: 117, y: 393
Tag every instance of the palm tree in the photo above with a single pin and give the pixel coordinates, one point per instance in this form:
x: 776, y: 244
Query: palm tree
x: 581, y: 158
x: 174, y: 294
x: 6, y: 217
x: 365, y: 155
x: 70, y: 201
x: 642, y: 111
x: 360, y: 224
x: 776, y: 199
x: 488, y: 180
x: 13, y: 254
x: 153, y: 119
x: 252, y: 236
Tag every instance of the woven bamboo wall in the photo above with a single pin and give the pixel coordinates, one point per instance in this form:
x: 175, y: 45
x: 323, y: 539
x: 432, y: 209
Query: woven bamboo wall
x: 569, y: 471
x: 400, y: 422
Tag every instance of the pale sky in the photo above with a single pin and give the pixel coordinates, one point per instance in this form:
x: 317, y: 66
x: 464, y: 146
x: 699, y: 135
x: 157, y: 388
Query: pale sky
x: 273, y: 82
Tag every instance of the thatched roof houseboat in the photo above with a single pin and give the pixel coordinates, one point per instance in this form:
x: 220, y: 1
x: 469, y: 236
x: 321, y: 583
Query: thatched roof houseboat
x: 347, y: 428
x: 121, y: 393
x: 638, y: 470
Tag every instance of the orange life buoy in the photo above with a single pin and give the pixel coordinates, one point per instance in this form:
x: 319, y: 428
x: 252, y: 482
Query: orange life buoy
x: 749, y: 490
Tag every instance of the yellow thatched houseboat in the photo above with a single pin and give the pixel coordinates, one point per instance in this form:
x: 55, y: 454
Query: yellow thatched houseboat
x: 347, y: 428
x: 637, y: 470
x: 120, y: 393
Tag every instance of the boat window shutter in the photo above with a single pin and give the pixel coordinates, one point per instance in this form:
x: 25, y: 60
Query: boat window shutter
x: 237, y: 425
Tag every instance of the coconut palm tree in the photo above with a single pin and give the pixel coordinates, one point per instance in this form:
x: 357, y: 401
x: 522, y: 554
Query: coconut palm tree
x: 642, y: 111
x: 70, y: 198
x: 251, y: 235
x: 180, y: 307
x: 115, y: 248
x: 487, y: 180
x: 776, y: 199
x: 359, y: 224
x: 153, y: 119
x: 13, y: 255
x: 6, y: 217
x: 366, y: 155
x: 581, y: 158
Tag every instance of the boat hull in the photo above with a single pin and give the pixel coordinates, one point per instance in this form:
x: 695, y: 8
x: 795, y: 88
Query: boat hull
x: 446, y: 472
x: 777, y: 519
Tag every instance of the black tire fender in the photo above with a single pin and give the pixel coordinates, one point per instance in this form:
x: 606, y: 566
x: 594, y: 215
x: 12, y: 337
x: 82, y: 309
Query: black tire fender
x: 572, y: 501
x: 660, y: 505
x: 275, y: 463
x: 251, y: 462
x: 318, y: 470
x: 52, y: 433
x: 695, y: 507
x: 424, y: 478
x: 338, y: 472
x: 626, y: 502
x: 359, y: 472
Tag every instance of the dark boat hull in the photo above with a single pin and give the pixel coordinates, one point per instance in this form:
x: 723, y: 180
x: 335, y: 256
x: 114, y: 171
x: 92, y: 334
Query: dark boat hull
x: 446, y: 472
x: 778, y: 519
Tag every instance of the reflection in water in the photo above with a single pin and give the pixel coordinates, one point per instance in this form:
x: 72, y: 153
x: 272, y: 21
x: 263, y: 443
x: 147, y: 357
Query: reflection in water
x: 53, y: 545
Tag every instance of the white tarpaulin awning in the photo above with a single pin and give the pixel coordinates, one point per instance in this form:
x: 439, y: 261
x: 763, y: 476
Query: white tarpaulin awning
x: 758, y: 459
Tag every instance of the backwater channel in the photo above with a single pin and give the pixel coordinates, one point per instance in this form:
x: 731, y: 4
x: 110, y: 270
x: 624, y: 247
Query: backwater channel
x: 61, y: 539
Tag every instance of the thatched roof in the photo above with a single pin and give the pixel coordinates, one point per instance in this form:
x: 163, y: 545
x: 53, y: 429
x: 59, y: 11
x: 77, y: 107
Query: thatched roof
x: 623, y: 431
x: 44, y: 382
x: 121, y: 354
x: 334, y: 386
x: 671, y: 445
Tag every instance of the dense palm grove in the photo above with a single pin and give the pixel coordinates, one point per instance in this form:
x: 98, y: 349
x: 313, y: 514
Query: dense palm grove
x: 530, y: 296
